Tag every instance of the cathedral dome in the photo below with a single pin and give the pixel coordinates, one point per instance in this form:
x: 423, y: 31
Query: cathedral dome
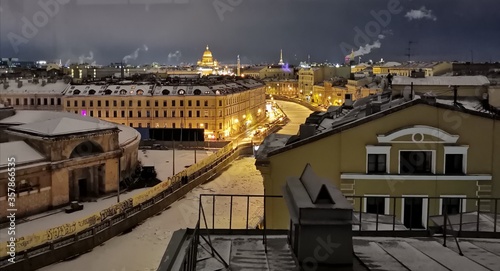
x: 207, y: 53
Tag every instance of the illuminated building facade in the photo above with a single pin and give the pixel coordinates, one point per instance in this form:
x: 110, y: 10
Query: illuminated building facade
x: 222, y: 108
x: 208, y: 65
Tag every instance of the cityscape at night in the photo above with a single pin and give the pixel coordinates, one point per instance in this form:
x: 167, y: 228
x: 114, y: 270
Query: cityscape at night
x: 249, y: 135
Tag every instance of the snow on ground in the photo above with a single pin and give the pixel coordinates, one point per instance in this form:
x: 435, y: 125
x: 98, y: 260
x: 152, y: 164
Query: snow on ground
x: 163, y: 160
x: 159, y: 158
x: 143, y: 248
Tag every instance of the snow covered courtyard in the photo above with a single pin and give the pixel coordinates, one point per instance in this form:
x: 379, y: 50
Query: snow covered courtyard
x: 143, y: 248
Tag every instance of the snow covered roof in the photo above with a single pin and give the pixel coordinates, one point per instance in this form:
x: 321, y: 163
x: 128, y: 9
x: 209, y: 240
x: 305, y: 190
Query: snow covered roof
x: 26, y: 87
x: 31, y: 116
x: 344, y: 119
x: 391, y: 64
x: 111, y: 90
x: 126, y: 135
x: 442, y: 81
x: 21, y: 151
x: 145, y: 89
x: 62, y: 126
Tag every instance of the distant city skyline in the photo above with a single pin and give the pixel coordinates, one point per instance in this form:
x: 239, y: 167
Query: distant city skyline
x: 174, y: 31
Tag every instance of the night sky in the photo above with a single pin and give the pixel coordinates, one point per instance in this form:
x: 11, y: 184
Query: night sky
x: 175, y: 31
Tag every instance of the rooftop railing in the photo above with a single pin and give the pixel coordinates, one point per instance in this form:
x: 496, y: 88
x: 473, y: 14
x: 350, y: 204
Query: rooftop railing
x: 398, y: 216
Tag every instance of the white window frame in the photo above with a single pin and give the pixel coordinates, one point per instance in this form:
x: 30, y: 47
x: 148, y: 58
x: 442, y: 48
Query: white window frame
x: 425, y: 203
x: 387, y: 202
x: 464, y: 202
x: 463, y: 150
x: 370, y: 149
x: 433, y: 157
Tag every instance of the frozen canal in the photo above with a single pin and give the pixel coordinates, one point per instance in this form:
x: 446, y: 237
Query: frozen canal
x: 297, y: 115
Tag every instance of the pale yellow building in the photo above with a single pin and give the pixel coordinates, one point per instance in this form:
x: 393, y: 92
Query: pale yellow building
x: 328, y: 94
x: 287, y: 88
x: 310, y: 76
x: 384, y: 69
x: 404, y: 148
x: 221, y: 108
x: 443, y: 86
x: 277, y: 72
x: 252, y: 72
x: 429, y: 69
x: 33, y: 94
x: 359, y: 68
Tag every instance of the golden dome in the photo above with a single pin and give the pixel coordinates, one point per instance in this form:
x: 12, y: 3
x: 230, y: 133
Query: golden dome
x: 207, y: 53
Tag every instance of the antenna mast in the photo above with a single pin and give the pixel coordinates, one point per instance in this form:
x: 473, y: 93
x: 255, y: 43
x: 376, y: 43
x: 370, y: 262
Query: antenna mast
x: 409, y: 50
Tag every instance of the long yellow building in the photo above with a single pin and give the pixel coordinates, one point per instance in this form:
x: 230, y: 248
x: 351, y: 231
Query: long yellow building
x: 222, y: 108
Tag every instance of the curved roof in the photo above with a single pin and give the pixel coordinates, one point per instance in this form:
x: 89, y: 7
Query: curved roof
x: 62, y: 126
x: 24, y: 153
x: 62, y: 123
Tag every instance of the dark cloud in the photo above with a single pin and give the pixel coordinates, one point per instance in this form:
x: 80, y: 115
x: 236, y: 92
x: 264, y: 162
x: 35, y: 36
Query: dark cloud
x: 254, y: 29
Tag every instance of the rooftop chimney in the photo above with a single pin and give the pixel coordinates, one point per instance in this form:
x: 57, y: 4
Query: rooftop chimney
x: 306, y: 131
x: 319, y: 214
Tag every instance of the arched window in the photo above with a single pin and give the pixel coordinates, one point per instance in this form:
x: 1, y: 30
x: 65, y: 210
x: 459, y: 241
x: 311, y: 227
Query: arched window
x: 108, y: 91
x: 76, y: 92
x: 165, y: 92
x: 123, y: 92
x: 86, y: 148
x: 197, y: 92
x: 140, y: 92
x: 181, y: 92
x: 91, y: 92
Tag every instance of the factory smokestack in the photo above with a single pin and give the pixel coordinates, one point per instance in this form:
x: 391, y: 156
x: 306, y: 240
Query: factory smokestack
x: 122, y: 71
x: 238, y: 72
